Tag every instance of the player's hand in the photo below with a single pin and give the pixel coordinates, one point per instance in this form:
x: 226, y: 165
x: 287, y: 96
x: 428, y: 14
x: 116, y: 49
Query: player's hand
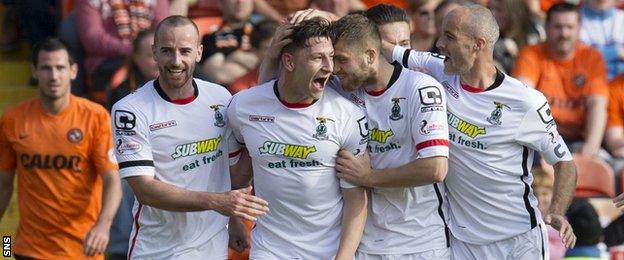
x: 356, y: 170
x: 238, y: 203
x: 590, y: 150
x: 96, y: 240
x: 310, y: 13
x: 561, y: 224
x: 281, y: 38
x: 238, y: 235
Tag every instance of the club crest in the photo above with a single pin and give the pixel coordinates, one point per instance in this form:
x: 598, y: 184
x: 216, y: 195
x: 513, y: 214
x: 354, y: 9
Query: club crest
x: 219, y: 120
x: 495, y: 116
x: 321, y: 128
x: 396, y: 109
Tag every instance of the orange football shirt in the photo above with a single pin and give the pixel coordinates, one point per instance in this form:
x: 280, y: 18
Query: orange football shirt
x: 615, y: 116
x: 565, y: 84
x: 58, y: 160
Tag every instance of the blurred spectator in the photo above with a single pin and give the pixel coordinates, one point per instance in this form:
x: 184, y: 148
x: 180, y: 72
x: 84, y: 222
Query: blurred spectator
x: 203, y: 8
x: 398, y: 3
x: 542, y: 188
x: 614, y: 136
x: 338, y: 7
x: 260, y: 40
x: 443, y: 8
x: 424, y: 35
x: 602, y: 27
x: 140, y: 68
x: 572, y: 76
x: 226, y: 55
x: 60, y: 148
x: 107, y: 28
x: 586, y: 225
x: 392, y: 23
x: 517, y: 29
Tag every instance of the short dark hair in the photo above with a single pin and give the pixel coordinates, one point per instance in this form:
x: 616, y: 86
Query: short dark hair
x: 143, y: 34
x: 561, y: 8
x: 50, y: 45
x: 175, y: 21
x: 302, y: 32
x: 384, y: 14
x: 264, y: 30
x: 356, y: 30
x: 585, y: 222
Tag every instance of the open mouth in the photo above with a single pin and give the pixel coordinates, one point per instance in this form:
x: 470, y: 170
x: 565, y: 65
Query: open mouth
x: 175, y: 72
x: 320, y: 81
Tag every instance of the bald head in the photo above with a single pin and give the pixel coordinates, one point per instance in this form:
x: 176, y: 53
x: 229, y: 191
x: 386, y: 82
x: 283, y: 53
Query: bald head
x: 476, y: 21
x: 174, y: 21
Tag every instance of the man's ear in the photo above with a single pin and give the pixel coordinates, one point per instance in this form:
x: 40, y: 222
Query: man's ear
x: 288, y: 61
x: 371, y: 56
x: 480, y: 44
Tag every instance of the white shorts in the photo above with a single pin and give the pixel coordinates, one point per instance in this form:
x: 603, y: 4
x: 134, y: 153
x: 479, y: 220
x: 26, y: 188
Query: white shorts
x: 438, y: 254
x: 215, y: 249
x: 532, y: 245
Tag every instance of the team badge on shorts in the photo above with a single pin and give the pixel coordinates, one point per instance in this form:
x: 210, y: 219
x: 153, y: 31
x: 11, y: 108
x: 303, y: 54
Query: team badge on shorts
x: 396, y: 109
x: 496, y: 115
x: 74, y: 135
x: 321, y: 128
x: 218, y: 116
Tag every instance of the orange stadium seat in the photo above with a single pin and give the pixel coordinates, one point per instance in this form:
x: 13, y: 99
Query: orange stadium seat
x: 208, y: 24
x: 595, y: 178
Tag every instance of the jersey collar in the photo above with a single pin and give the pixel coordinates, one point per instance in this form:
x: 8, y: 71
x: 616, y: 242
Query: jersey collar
x: 287, y: 104
x: 183, y: 101
x: 395, y: 76
x: 497, y: 82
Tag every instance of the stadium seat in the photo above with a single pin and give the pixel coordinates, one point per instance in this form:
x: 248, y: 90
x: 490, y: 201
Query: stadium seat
x: 208, y: 24
x: 595, y: 178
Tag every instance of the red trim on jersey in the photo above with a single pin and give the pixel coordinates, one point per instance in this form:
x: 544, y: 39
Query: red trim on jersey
x: 376, y: 93
x: 472, y: 89
x: 296, y: 105
x: 183, y: 101
x: 432, y: 142
x: 136, y: 233
x: 234, y: 154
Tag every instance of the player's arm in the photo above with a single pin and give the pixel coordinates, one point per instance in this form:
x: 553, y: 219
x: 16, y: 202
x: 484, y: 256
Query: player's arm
x: 97, y: 238
x: 6, y: 190
x: 563, y: 191
x: 354, y: 212
x: 539, y: 132
x: 595, y: 124
x: 269, y: 66
x: 424, y: 171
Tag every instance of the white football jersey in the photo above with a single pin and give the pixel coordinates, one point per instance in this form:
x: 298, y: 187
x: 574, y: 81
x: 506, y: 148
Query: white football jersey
x: 293, y: 151
x: 492, y: 136
x: 182, y: 145
x: 407, y: 121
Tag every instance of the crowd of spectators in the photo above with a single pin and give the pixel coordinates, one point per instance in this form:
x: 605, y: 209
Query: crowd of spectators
x: 572, y: 52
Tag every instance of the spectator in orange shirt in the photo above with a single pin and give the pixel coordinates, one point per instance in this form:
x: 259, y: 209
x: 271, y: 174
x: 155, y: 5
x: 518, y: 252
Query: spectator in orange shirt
x: 614, y: 136
x: 572, y: 76
x: 60, y: 147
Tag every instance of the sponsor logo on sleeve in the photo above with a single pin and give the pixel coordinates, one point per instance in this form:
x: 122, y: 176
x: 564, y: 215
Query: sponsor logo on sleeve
x: 546, y: 116
x: 127, y: 147
x: 427, y: 128
x: 125, y: 121
x: 430, y: 99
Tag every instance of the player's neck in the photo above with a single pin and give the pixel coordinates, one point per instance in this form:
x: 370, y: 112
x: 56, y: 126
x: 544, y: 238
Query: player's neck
x: 185, y: 91
x: 54, y: 106
x: 288, y: 92
x: 481, y: 75
x: 384, y: 73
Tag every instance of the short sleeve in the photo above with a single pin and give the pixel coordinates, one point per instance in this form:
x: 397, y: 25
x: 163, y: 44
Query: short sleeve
x: 615, y: 112
x: 429, y: 125
x: 355, y: 137
x: 527, y: 65
x: 598, y: 78
x: 131, y: 140
x: 7, y: 154
x: 102, y: 145
x: 234, y: 148
x: 538, y: 131
x: 426, y: 62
